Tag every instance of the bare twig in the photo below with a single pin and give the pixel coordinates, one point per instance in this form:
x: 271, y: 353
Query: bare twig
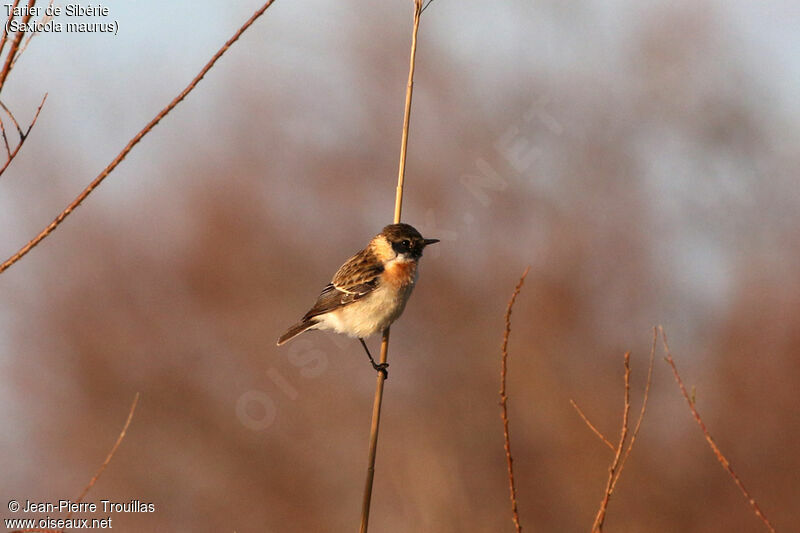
x: 5, y: 140
x: 398, y: 208
x: 133, y: 142
x: 110, y: 453
x: 22, y: 135
x: 641, y: 413
x: 15, y: 46
x: 592, y: 426
x: 99, y: 470
x: 615, y: 464
x: 14, y: 120
x: 425, y: 6
x: 10, y: 18
x: 45, y: 19
x: 504, y: 401
x: 713, y: 445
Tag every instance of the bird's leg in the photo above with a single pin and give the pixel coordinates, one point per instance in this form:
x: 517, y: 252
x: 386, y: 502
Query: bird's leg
x: 382, y: 367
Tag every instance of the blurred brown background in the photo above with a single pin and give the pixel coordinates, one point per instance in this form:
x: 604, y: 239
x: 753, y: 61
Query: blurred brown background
x: 642, y: 158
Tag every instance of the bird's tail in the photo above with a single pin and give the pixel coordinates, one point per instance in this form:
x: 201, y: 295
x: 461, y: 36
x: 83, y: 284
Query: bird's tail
x: 296, y: 330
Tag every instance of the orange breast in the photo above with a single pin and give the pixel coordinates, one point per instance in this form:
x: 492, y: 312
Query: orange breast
x: 400, y: 274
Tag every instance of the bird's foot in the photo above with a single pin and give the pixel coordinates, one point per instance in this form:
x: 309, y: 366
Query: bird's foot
x: 381, y: 368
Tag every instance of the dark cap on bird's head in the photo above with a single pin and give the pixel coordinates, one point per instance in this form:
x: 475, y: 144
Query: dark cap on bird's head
x: 405, y: 239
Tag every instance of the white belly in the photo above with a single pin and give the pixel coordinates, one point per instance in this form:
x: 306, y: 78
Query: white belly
x: 372, y: 314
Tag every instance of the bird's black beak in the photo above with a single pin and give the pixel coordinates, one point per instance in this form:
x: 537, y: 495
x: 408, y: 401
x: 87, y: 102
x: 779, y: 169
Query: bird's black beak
x: 426, y: 242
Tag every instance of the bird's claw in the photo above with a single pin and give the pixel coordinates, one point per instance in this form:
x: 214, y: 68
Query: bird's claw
x: 382, y: 368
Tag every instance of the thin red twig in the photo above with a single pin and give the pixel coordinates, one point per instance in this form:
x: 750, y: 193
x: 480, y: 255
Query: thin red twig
x: 641, y: 413
x: 99, y: 470
x: 133, y: 142
x: 110, y: 453
x: 592, y: 426
x: 504, y: 402
x: 615, y: 464
x: 713, y: 445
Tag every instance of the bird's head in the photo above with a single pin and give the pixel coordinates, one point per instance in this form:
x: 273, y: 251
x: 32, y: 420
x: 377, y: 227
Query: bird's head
x: 405, y: 241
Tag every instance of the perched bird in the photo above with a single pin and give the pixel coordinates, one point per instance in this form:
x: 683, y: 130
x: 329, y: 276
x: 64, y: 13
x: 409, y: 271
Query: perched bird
x: 370, y: 290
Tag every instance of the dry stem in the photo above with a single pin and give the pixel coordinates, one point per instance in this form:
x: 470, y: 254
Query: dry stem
x: 133, y: 142
x: 398, y: 207
x: 504, y: 402
x: 713, y: 445
x: 373, y: 436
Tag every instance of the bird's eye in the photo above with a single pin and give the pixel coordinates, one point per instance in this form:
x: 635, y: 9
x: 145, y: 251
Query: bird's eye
x: 405, y: 243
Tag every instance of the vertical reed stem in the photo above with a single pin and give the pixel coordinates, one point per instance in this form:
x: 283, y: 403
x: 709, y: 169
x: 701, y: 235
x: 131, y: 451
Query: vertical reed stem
x: 376, y: 406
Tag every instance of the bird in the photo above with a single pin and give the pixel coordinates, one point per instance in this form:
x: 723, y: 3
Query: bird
x: 370, y: 290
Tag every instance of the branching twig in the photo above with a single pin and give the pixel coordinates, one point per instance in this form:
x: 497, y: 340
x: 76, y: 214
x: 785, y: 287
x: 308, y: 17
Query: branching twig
x: 504, y: 402
x: 14, y: 120
x: 425, y: 6
x: 22, y: 135
x: 713, y: 445
x: 638, y: 421
x: 133, y: 142
x: 615, y: 464
x: 644, y: 408
x: 398, y: 207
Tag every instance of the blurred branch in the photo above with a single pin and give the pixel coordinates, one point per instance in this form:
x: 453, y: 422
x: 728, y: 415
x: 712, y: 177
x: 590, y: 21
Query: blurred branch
x: 99, y: 471
x: 12, y: 52
x: 22, y: 134
x: 504, y: 401
x: 8, y: 21
x: 133, y: 142
x: 713, y: 445
x: 45, y: 19
x: 398, y: 208
x: 615, y: 469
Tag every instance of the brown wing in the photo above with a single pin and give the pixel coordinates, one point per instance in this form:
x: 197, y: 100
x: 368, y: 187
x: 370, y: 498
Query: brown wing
x: 355, y: 279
